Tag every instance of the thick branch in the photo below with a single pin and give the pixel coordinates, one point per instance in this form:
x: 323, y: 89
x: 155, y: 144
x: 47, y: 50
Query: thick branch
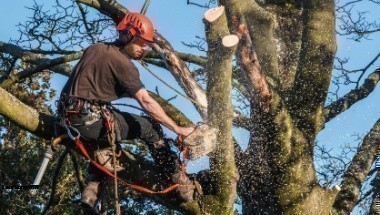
x: 24, y: 116
x: 351, y: 98
x: 172, y: 111
x: 222, y: 163
x: 242, y: 121
x: 357, y: 172
x: 255, y: 81
x: 19, y: 52
x: 261, y: 30
x: 316, y: 59
x: 110, y: 8
x: 181, y: 72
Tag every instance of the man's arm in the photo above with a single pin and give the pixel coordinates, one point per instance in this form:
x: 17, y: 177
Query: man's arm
x: 157, y: 113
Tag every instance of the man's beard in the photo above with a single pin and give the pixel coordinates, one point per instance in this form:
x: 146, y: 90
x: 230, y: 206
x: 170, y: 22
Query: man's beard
x: 144, y: 53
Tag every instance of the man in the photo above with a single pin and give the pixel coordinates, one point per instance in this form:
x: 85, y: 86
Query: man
x: 105, y: 73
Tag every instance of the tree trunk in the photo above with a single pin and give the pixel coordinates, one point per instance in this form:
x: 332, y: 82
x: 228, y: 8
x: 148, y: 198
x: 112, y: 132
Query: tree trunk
x: 277, y: 172
x: 223, y: 171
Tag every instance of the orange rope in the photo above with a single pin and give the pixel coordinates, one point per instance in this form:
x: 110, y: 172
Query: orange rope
x: 79, y: 144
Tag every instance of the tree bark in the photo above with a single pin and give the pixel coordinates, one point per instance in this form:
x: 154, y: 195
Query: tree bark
x: 24, y: 116
x: 314, y: 72
x: 254, y: 80
x: 282, y: 140
x: 222, y: 162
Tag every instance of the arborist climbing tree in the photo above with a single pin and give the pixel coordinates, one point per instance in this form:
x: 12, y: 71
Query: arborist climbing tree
x: 263, y: 66
x: 106, y: 73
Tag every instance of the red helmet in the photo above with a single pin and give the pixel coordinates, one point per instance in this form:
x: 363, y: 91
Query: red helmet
x: 138, y: 25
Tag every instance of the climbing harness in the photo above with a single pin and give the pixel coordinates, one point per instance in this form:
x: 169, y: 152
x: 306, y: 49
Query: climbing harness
x: 109, y: 123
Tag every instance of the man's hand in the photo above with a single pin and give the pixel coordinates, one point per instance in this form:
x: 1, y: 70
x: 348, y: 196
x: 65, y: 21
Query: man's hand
x: 185, y: 131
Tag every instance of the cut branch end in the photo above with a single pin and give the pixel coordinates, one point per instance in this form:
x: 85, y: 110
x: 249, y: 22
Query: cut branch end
x: 230, y: 41
x: 214, y: 13
x: 336, y: 188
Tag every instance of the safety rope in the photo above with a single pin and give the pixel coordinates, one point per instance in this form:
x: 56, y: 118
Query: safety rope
x: 145, y: 7
x: 111, y: 139
x: 144, y: 64
x: 85, y: 153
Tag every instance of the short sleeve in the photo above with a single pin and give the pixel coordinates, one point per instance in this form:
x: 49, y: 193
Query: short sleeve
x: 127, y: 77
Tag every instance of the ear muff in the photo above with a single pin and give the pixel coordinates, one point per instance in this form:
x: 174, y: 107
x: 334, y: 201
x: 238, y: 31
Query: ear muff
x: 125, y: 37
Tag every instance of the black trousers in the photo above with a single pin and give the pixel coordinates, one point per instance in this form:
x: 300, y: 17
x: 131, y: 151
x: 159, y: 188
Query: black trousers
x: 136, y: 127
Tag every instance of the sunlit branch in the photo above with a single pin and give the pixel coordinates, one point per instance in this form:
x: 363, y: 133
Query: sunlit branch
x: 110, y: 8
x: 315, y: 67
x: 251, y: 73
x: 30, y: 119
x: 221, y: 47
x: 18, y: 52
x: 182, y: 74
x: 29, y: 56
x: 352, y: 97
x: 357, y: 171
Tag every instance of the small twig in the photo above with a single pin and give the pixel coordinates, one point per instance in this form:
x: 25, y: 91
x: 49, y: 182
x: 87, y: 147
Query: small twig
x: 206, y: 5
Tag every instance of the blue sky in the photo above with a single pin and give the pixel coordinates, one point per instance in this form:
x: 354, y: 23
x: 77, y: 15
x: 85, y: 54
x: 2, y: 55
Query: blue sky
x: 180, y: 22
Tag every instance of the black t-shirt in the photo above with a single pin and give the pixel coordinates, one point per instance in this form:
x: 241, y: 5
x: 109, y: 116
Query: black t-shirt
x: 103, y: 74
